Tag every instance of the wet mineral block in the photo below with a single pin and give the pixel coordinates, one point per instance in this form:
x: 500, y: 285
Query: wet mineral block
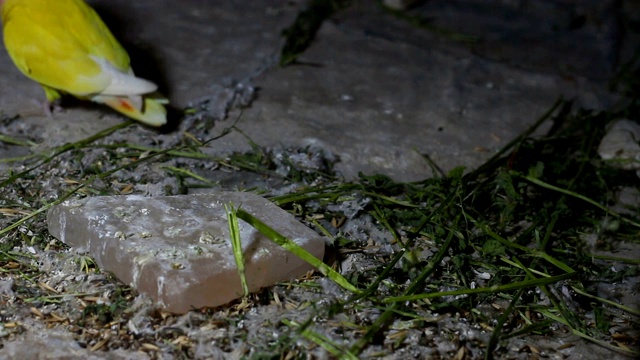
x: 177, y: 249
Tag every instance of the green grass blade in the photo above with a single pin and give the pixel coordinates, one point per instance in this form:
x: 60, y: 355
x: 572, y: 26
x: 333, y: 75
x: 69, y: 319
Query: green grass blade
x: 485, y: 290
x: 15, y: 141
x: 322, y: 341
x: 581, y: 334
x: 296, y: 250
x: 577, y: 196
x: 187, y: 173
x: 236, y: 245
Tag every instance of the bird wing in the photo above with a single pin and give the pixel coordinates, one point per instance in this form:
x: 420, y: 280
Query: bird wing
x: 64, y: 45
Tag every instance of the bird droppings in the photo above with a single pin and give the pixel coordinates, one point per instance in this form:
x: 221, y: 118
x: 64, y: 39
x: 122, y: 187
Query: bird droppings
x: 620, y: 145
x: 177, y: 249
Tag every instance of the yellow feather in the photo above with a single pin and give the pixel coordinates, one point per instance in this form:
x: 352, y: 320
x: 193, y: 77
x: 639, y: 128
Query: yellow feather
x: 65, y: 46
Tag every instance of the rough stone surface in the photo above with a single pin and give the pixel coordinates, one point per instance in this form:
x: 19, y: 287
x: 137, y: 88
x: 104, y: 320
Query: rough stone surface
x: 177, y: 249
x: 555, y: 37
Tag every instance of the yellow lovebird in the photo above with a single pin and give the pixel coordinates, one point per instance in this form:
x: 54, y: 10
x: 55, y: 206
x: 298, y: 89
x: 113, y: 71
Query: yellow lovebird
x: 65, y: 46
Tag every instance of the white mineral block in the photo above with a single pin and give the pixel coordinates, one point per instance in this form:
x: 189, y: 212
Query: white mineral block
x: 177, y: 249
